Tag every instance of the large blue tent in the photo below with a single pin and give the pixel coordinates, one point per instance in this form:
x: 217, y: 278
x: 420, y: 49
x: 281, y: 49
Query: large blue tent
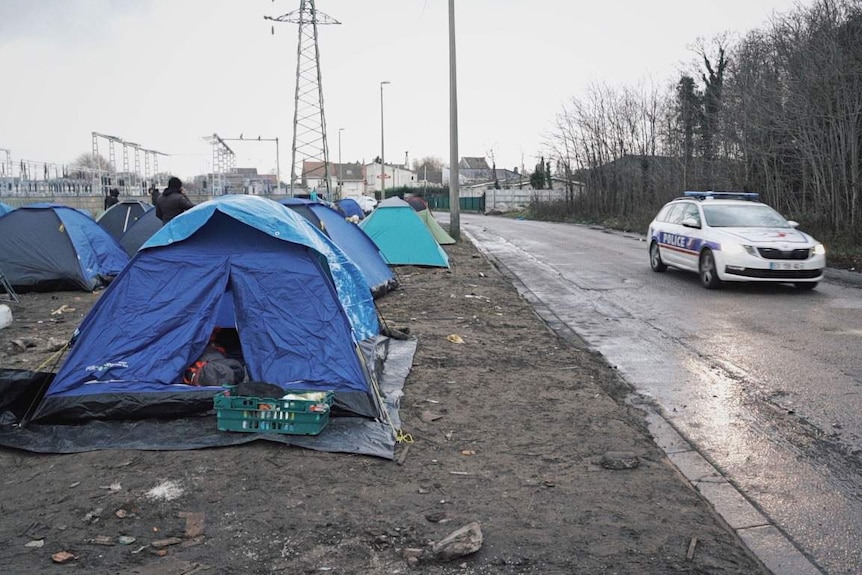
x: 57, y: 247
x: 298, y: 304
x: 350, y: 238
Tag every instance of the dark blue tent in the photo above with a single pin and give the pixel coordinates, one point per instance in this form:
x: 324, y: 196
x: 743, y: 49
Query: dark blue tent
x: 352, y: 240
x: 139, y: 232
x: 120, y: 217
x: 56, y: 248
x: 298, y: 304
x: 350, y: 207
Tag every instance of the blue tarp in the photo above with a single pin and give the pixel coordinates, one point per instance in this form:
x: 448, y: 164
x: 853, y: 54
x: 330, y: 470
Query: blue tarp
x: 298, y: 303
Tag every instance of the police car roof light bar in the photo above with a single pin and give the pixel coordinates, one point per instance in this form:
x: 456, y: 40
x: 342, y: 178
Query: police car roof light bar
x: 753, y: 196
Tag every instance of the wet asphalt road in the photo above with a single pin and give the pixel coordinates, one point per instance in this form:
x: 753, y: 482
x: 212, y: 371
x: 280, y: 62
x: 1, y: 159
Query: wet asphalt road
x: 765, y: 380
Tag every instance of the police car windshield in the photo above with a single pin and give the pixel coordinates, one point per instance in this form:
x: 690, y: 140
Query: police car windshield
x: 743, y: 216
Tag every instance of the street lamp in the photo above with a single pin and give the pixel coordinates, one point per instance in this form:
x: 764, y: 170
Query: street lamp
x: 382, y: 156
x: 339, y: 162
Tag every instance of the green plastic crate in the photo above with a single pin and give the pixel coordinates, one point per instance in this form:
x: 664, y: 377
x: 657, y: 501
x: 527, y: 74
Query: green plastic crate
x: 268, y: 415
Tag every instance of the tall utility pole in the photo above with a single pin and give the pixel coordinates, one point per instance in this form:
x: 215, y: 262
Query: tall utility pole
x: 382, y: 147
x: 309, y: 121
x: 454, y: 189
x: 340, y: 171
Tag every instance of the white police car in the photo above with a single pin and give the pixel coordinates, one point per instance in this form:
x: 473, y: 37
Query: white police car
x: 730, y: 236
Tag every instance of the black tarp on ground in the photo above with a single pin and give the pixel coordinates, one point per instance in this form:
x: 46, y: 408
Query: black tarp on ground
x: 343, y: 434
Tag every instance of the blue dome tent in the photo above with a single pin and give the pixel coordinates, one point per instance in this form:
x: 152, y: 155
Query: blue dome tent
x: 57, y: 248
x: 299, y: 306
x: 350, y: 207
x: 121, y: 216
x: 350, y: 238
x: 139, y: 232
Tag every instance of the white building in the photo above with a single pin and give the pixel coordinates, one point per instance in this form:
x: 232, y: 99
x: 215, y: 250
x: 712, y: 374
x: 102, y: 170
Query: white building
x: 397, y: 176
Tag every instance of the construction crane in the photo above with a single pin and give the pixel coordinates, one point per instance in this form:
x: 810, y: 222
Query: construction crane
x: 310, y: 147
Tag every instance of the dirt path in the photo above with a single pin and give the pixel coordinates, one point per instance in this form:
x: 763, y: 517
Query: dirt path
x: 509, y: 430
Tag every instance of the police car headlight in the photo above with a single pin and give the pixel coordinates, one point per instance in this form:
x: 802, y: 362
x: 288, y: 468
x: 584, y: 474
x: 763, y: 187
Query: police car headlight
x: 819, y: 250
x: 738, y: 249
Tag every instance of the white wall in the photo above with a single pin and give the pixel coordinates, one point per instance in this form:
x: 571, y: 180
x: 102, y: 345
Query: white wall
x: 505, y: 200
x: 398, y: 177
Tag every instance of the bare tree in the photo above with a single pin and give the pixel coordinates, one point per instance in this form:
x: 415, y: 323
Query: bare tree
x: 98, y: 162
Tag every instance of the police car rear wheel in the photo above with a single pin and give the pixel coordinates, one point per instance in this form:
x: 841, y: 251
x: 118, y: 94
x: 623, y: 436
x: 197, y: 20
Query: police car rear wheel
x: 708, y: 273
x: 655, y: 258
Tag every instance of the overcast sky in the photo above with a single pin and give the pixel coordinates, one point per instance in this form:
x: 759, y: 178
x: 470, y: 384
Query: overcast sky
x: 165, y: 73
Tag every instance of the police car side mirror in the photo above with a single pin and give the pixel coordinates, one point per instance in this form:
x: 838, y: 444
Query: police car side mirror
x: 691, y: 223
x: 793, y: 223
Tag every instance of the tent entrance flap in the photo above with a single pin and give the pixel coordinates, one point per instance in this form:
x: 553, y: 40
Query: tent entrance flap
x: 226, y: 315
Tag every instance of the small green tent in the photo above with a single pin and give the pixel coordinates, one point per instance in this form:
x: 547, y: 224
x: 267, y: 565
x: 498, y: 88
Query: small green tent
x: 402, y: 237
x: 442, y: 237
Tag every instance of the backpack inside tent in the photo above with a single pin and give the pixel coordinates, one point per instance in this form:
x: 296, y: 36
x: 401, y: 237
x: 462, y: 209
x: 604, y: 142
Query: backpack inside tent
x: 402, y: 236
x: 296, y: 303
x: 57, y: 248
x: 352, y: 240
x: 121, y: 216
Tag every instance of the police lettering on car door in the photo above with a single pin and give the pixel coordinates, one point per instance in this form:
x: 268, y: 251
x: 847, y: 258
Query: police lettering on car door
x: 679, y: 243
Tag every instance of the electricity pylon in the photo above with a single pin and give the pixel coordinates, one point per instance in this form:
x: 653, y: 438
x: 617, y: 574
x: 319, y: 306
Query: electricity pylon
x: 309, y: 120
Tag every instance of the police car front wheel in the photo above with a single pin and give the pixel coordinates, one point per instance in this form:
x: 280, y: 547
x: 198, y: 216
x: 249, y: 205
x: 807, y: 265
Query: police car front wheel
x: 708, y: 272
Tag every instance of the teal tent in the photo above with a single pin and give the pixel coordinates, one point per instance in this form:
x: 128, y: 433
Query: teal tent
x: 402, y: 237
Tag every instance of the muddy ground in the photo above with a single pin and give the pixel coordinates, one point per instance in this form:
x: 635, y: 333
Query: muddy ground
x: 509, y: 429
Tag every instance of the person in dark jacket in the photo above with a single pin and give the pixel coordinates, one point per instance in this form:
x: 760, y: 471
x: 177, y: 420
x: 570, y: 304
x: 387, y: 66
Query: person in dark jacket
x: 113, y: 198
x: 154, y: 195
x: 173, y: 201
